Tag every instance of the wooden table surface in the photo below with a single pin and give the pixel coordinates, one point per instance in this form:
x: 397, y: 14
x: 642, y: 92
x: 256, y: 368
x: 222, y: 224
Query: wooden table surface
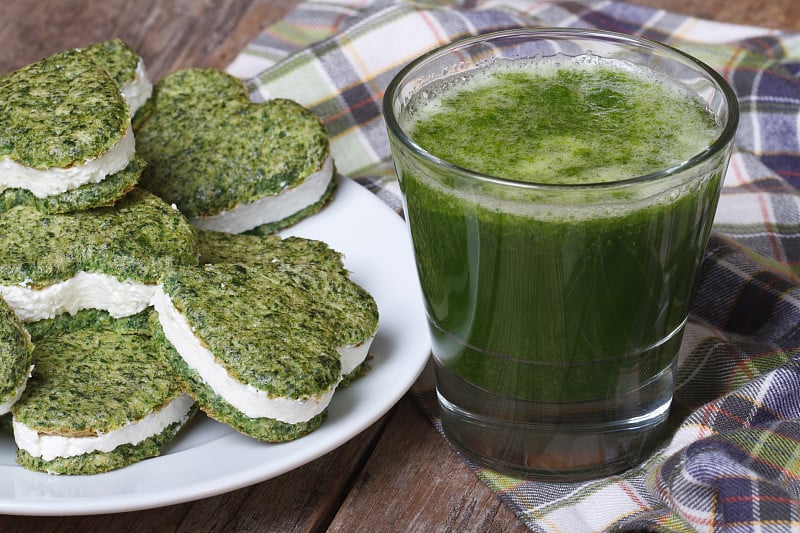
x: 398, y: 475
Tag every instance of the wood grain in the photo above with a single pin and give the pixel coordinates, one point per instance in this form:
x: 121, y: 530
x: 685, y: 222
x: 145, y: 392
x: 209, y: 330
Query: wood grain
x: 414, y: 475
x: 777, y: 14
x: 167, y: 34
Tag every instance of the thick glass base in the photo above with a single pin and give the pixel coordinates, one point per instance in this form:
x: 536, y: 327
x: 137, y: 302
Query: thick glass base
x: 553, y: 442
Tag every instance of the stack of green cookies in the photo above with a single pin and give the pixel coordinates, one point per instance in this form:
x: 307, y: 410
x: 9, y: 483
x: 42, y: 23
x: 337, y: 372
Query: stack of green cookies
x: 128, y: 296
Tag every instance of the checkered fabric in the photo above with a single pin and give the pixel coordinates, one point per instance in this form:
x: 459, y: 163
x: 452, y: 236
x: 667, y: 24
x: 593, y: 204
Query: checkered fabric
x: 732, y: 459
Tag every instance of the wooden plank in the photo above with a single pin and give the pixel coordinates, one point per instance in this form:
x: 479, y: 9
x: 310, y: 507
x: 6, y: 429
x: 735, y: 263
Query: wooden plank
x: 783, y: 14
x: 414, y: 481
x: 168, y: 34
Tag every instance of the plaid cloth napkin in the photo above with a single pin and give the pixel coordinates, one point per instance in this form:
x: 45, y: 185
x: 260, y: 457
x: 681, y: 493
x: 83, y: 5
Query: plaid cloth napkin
x: 732, y: 460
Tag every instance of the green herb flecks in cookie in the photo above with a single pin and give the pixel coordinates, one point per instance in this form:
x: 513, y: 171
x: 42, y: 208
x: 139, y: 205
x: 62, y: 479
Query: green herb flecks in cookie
x: 215, y: 406
x: 100, y: 396
x: 63, y: 123
x: 125, y: 67
x: 311, y: 266
x: 15, y: 357
x: 258, y: 329
x: 106, y: 258
x: 256, y: 344
x: 85, y: 197
x: 136, y: 239
x: 228, y: 163
x: 219, y: 247
x: 98, y: 462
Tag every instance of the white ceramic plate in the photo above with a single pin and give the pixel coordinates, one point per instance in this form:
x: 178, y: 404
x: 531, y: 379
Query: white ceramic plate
x: 209, y: 458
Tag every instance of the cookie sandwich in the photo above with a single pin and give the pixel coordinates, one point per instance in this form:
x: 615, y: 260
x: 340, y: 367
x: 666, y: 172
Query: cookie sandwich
x: 230, y: 164
x: 306, y: 264
x: 64, y: 124
x: 257, y: 350
x: 100, y: 396
x: 108, y: 258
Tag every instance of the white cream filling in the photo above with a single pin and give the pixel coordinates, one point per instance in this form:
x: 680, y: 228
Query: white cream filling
x: 251, y: 401
x: 85, y: 290
x: 49, y: 447
x: 50, y: 181
x: 244, y: 217
x: 352, y: 356
x: 7, y: 404
x: 138, y: 90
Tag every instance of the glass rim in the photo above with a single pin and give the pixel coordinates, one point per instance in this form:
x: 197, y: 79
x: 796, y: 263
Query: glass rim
x: 722, y: 140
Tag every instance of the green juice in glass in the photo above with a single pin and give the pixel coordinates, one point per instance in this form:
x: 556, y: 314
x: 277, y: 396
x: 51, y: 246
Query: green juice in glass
x: 558, y: 306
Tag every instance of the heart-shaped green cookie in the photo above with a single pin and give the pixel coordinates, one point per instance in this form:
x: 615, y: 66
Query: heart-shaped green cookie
x: 268, y: 361
x: 211, y: 151
x: 59, y: 112
x: 317, y: 269
x: 136, y: 240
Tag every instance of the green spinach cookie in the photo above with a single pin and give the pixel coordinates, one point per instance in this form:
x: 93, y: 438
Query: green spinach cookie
x: 312, y: 266
x: 230, y: 164
x: 107, y: 258
x: 64, y: 125
x: 15, y: 357
x: 100, y: 396
x: 60, y: 114
x: 258, y: 346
